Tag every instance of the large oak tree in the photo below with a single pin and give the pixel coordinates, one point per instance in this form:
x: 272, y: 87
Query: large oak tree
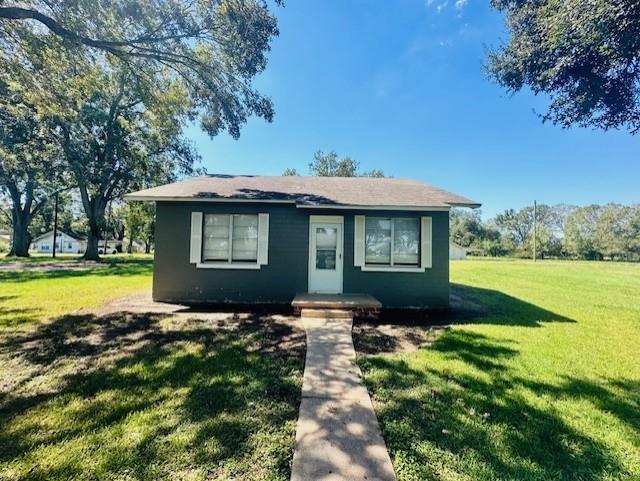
x: 121, y: 79
x: 30, y: 162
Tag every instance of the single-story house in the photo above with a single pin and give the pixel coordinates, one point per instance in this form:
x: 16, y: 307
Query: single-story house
x: 66, y: 242
x: 259, y: 239
x: 457, y: 252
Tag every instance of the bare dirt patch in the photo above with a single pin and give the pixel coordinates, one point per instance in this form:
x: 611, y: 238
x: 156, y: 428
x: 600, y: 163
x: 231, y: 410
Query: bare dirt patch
x: 407, y: 331
x: 375, y: 338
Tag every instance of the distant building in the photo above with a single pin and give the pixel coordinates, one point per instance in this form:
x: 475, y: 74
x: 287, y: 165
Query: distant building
x: 66, y: 243
x: 457, y: 252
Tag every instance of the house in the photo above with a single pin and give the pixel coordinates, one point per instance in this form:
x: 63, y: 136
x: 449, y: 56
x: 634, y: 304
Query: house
x: 66, y: 242
x: 257, y: 239
x: 457, y: 252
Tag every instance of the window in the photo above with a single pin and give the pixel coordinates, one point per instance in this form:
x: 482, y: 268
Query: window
x: 392, y: 242
x: 326, y: 248
x: 230, y: 238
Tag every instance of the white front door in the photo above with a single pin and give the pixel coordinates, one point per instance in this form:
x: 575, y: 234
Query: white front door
x: 325, y: 255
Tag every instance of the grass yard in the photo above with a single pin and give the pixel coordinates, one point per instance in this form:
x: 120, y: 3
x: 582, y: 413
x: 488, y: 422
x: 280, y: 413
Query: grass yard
x: 39, y: 287
x: 540, y: 382
x: 97, y: 395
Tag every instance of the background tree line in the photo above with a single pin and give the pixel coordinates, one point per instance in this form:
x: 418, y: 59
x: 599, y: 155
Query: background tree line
x: 594, y: 232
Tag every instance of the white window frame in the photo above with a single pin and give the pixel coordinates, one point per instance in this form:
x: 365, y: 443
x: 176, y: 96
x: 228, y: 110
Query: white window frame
x: 392, y: 265
x: 229, y: 263
x: 197, y: 243
x: 424, y: 249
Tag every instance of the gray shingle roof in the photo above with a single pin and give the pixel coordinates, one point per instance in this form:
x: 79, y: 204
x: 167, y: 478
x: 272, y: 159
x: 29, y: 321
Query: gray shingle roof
x: 307, y: 191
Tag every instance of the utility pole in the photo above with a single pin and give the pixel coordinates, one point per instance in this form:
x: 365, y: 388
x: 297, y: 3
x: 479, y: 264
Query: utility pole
x: 535, y: 230
x: 106, y: 230
x: 55, y: 226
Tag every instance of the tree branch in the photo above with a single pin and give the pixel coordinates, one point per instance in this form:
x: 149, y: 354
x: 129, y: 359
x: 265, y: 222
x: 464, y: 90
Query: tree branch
x: 17, y: 13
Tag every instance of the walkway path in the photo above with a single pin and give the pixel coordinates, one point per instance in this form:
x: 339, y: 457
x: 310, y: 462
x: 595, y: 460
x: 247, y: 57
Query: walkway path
x: 338, y: 437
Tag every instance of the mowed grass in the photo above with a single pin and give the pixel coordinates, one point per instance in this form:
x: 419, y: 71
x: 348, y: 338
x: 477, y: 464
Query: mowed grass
x: 539, y: 381
x: 38, y: 287
x: 102, y: 395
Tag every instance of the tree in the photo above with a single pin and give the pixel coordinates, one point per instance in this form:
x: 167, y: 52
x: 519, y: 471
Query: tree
x: 518, y: 226
x: 330, y: 165
x: 215, y: 48
x: 465, y: 227
x: 580, y: 232
x: 585, y: 55
x: 120, y: 80
x: 29, y: 162
x: 140, y: 224
x: 124, y: 135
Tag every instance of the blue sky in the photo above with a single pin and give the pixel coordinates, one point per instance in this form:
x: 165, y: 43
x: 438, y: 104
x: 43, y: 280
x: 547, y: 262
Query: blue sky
x: 399, y: 86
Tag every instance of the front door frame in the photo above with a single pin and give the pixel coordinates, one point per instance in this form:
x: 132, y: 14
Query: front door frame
x: 327, y: 219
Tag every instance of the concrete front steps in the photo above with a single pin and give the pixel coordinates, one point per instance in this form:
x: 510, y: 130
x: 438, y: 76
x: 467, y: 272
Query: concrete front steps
x: 340, y: 306
x: 327, y: 313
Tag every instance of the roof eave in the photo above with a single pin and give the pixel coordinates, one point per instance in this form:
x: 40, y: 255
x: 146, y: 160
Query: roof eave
x: 471, y: 205
x: 300, y: 205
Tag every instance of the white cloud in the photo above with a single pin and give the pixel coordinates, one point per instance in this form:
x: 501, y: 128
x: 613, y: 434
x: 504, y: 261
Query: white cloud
x: 460, y: 4
x: 442, y: 6
x: 430, y: 2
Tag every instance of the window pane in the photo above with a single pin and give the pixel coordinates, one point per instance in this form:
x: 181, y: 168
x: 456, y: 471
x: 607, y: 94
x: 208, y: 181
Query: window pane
x: 326, y: 237
x: 406, y: 238
x: 215, y: 237
x: 245, y: 238
x: 377, y: 241
x: 326, y: 245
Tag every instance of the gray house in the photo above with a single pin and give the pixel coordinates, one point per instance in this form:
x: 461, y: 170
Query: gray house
x: 264, y: 240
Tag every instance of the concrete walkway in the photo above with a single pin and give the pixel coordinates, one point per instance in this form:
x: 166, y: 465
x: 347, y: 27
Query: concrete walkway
x: 337, y: 437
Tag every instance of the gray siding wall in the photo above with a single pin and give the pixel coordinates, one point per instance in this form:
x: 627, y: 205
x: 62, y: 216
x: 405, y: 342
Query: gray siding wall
x: 176, y: 280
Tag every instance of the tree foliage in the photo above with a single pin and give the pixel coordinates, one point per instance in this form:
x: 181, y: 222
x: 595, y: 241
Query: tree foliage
x: 215, y: 48
x: 584, y: 54
x: 140, y: 224
x: 115, y: 83
x: 124, y: 135
x: 593, y: 232
x: 330, y: 165
x: 30, y: 162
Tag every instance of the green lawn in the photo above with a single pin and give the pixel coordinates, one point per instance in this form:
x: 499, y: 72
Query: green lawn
x: 30, y: 293
x: 125, y: 396
x: 540, y: 382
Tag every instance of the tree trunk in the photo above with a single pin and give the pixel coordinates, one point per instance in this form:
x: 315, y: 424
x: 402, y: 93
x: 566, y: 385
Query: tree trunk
x: 95, y: 216
x: 147, y: 246
x: 91, y: 254
x: 94, y: 209
x: 20, y: 218
x: 130, y: 245
x: 20, y: 240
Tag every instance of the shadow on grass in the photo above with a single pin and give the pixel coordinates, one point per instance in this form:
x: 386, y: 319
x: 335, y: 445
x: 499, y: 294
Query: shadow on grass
x: 475, y: 417
x: 151, y: 396
x: 401, y: 330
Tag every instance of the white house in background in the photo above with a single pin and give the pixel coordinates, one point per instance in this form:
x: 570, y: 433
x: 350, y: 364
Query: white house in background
x: 457, y: 252
x: 66, y: 243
